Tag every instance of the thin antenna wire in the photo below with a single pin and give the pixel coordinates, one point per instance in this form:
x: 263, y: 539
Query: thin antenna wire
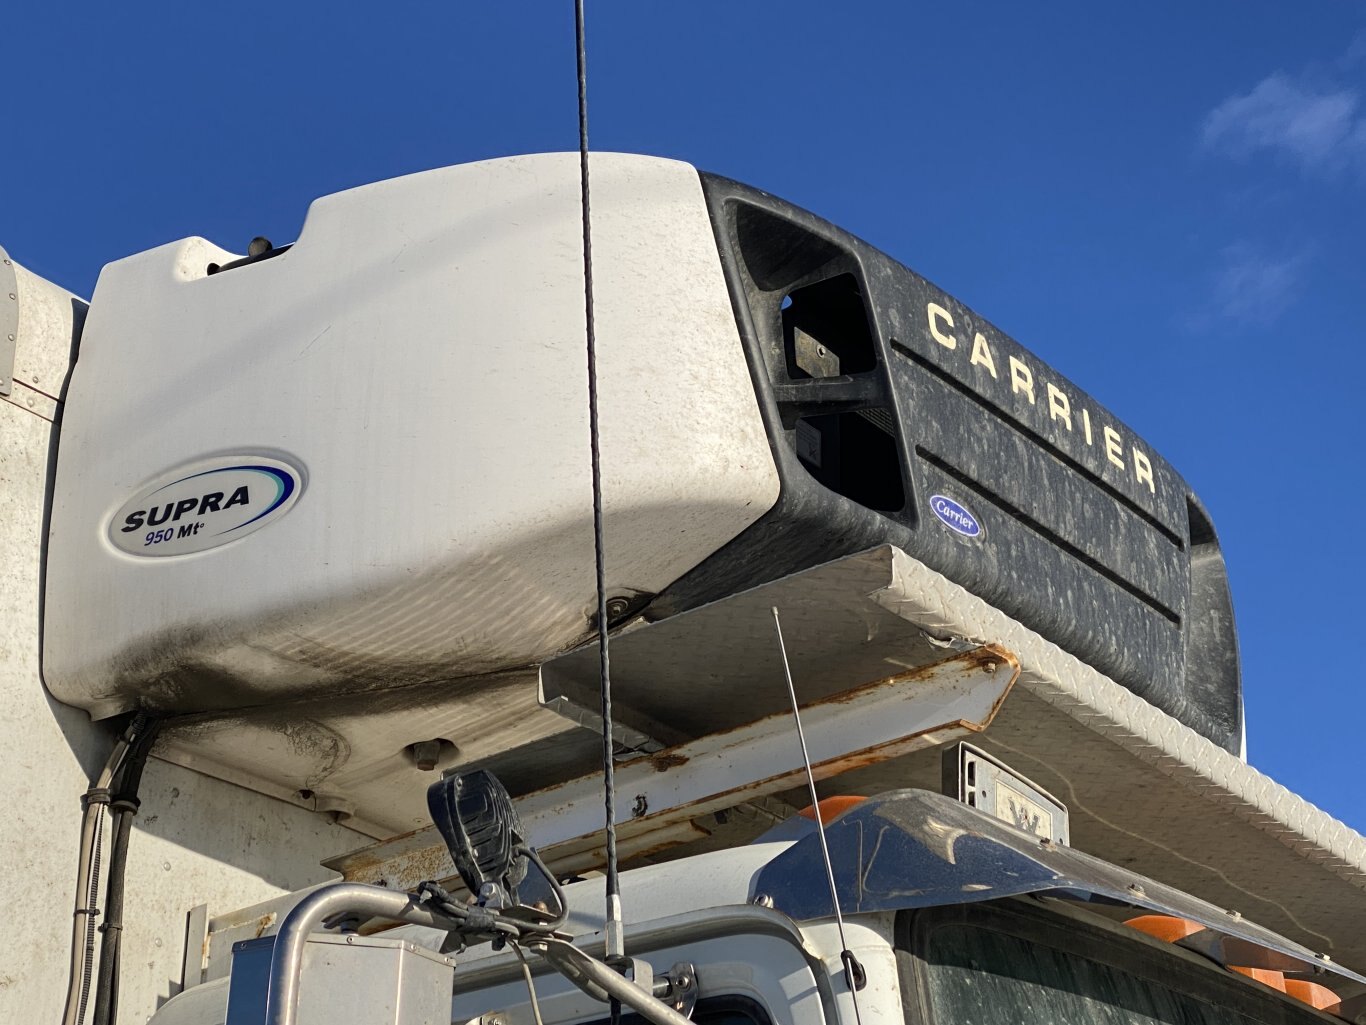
x: 613, y: 926
x: 530, y: 984
x: 853, y: 971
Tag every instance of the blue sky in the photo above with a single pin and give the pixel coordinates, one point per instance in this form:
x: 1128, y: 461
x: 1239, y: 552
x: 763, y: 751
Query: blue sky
x: 1165, y: 201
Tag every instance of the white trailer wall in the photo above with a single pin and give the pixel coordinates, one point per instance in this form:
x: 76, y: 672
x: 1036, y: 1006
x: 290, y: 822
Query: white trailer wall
x: 197, y: 840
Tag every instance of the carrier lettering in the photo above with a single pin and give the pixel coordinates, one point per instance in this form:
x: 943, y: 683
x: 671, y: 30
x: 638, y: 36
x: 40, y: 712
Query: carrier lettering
x: 1113, y: 451
x: 1038, y: 391
x: 1143, y: 471
x: 981, y: 354
x: 1021, y: 379
x: 1059, y: 407
x: 937, y: 313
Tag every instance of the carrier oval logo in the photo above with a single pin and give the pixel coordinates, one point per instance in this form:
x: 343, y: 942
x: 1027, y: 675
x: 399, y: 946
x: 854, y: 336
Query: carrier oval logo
x: 205, y: 505
x: 954, y: 516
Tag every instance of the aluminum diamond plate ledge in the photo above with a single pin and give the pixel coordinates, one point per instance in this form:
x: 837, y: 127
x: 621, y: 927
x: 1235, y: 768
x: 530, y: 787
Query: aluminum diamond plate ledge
x: 920, y: 594
x: 1145, y: 792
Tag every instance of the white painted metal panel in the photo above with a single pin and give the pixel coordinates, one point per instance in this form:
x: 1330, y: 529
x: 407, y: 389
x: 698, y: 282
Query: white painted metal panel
x: 761, y: 965
x: 196, y: 840
x: 418, y: 357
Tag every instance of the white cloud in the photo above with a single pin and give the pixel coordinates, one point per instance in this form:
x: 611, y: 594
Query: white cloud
x: 1356, y: 50
x: 1319, y: 130
x: 1253, y: 288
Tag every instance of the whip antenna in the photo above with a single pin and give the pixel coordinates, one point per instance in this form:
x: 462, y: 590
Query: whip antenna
x: 853, y: 971
x: 613, y: 926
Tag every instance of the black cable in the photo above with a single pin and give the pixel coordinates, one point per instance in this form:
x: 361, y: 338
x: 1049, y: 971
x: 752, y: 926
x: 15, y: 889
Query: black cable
x: 124, y: 808
x: 434, y: 894
x: 555, y: 923
x: 472, y: 918
x: 107, y: 981
x: 87, y: 879
x: 613, y: 886
x: 467, y: 921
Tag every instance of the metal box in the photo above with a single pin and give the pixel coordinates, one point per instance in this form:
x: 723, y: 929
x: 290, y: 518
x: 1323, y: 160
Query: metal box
x: 351, y: 978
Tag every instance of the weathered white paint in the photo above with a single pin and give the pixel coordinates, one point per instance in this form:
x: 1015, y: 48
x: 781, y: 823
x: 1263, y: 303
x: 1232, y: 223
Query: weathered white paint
x: 418, y: 356
x: 197, y: 840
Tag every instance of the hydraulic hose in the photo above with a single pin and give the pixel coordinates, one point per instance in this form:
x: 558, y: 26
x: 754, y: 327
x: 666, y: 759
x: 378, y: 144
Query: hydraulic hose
x: 92, y: 911
x: 76, y: 981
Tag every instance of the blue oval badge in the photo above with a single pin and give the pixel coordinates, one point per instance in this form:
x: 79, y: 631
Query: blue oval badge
x: 205, y: 505
x: 955, y: 516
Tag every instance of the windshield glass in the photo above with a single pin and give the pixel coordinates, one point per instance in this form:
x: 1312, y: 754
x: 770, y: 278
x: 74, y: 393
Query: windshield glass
x: 979, y: 974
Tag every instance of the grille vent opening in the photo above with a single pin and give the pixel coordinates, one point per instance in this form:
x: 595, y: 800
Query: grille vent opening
x: 825, y: 330
x: 854, y: 454
x: 776, y: 251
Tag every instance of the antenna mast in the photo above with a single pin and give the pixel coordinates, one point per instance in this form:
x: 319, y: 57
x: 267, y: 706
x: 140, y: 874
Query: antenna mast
x: 853, y: 970
x: 615, y: 945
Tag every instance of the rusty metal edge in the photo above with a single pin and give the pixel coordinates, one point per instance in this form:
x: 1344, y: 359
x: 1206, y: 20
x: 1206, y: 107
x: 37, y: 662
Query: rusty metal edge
x: 421, y: 853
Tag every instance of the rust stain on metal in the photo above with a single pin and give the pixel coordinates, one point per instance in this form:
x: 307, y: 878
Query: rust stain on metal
x: 421, y: 856
x: 373, y: 864
x: 985, y: 657
x: 356, y: 865
x: 739, y: 794
x: 263, y: 923
x: 596, y: 857
x: 428, y: 863
x: 381, y: 851
x: 1006, y: 658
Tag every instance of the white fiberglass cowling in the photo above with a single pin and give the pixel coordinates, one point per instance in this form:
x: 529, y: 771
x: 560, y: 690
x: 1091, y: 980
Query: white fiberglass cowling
x: 363, y: 463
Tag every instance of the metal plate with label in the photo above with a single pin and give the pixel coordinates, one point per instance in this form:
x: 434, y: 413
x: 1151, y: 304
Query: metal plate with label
x: 981, y: 781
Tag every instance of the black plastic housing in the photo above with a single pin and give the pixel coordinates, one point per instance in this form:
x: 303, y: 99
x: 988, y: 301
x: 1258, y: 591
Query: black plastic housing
x: 885, y: 398
x: 476, y: 817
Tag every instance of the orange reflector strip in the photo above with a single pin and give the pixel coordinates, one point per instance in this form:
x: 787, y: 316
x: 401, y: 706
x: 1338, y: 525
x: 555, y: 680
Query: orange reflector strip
x: 831, y: 808
x: 1167, y: 928
x: 1312, y: 994
x: 1266, y: 976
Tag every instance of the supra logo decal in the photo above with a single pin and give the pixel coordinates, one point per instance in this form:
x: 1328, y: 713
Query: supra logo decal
x: 955, y: 516
x: 205, y: 505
